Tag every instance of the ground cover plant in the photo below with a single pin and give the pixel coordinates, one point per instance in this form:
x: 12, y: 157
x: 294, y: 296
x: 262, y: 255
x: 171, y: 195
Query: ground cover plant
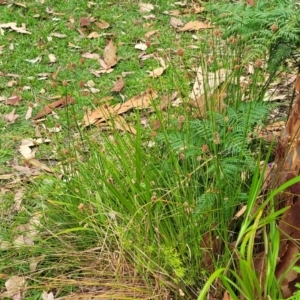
x: 131, y: 141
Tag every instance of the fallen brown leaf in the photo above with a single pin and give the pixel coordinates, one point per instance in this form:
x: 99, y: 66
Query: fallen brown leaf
x: 141, y: 46
x: 13, y: 100
x: 119, y: 85
x: 84, y: 22
x: 106, y: 112
x: 56, y: 104
x: 150, y: 33
x: 13, y: 286
x: 176, y: 23
x: 110, y: 54
x: 102, y: 24
x: 37, y: 164
x: 29, y: 112
x: 34, y: 261
x: 13, y: 26
x: 18, y: 200
x: 195, y: 25
x: 52, y: 58
x: 90, y: 55
x: 11, y: 117
x: 93, y: 35
x: 59, y: 35
x: 146, y: 7
x: 120, y: 123
x: 156, y: 72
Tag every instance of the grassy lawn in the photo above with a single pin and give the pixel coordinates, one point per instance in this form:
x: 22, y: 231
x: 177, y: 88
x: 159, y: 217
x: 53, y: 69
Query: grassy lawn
x: 144, y: 184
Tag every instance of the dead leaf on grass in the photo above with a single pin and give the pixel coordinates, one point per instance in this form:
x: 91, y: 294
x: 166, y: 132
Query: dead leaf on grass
x: 39, y: 165
x: 146, y: 7
x: 14, y: 100
x: 93, y: 35
x: 106, y: 112
x: 34, y: 60
x: 156, y: 72
x: 240, y: 212
x: 110, y: 54
x: 102, y: 24
x: 207, y: 93
x: 18, y: 199
x: 84, y: 22
x: 34, y: 261
x: 52, y: 58
x: 195, y: 25
x: 6, y: 176
x: 226, y: 296
x: 195, y: 9
x: 90, y: 55
x: 149, y: 17
x: 47, y: 296
x: 11, y: 117
x: 151, y: 33
x: 22, y: 240
x: 141, y: 46
x: 59, y: 35
x: 14, y: 286
x: 176, y: 23
x: 68, y: 100
x: 28, y: 147
x: 118, y: 86
x: 11, y: 83
x: 120, y: 123
x: 13, y: 26
x: 29, y: 111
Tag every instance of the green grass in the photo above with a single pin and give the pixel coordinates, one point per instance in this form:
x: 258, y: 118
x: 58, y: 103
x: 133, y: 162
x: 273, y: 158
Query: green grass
x: 124, y: 216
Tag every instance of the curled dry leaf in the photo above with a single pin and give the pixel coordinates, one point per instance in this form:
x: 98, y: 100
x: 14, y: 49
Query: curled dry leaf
x: 110, y: 54
x: 119, y: 85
